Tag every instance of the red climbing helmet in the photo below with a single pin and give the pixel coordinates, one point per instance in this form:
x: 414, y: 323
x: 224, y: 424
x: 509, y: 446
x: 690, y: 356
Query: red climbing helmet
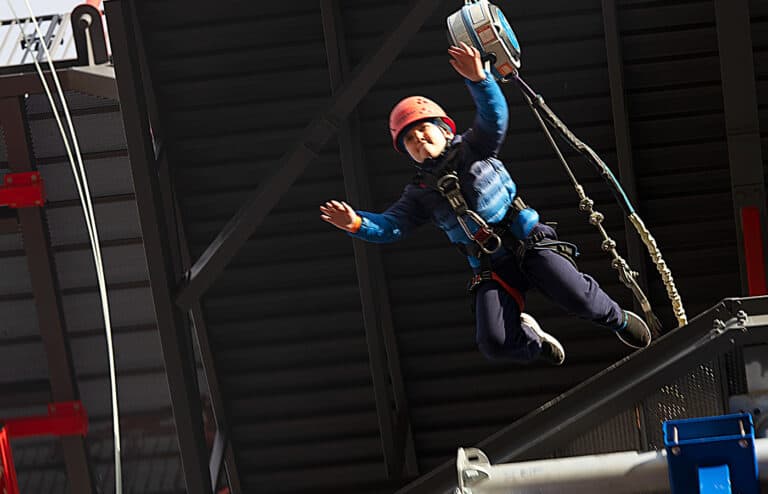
x: 413, y: 109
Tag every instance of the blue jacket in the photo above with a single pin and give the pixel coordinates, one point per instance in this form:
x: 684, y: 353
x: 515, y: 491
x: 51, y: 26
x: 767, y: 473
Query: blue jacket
x: 485, y: 183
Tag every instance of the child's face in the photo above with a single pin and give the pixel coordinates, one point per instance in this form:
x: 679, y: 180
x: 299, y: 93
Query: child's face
x: 426, y: 140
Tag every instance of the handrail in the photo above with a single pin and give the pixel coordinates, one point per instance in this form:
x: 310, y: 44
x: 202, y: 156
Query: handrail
x: 19, y: 42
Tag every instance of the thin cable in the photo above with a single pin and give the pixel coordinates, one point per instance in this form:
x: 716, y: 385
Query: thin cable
x: 90, y: 220
x: 552, y: 142
x: 60, y: 126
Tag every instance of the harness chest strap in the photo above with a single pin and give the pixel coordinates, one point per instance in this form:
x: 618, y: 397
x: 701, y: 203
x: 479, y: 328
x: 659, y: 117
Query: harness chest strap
x: 445, y: 179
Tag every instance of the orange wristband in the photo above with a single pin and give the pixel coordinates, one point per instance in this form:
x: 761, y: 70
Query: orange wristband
x: 356, y: 224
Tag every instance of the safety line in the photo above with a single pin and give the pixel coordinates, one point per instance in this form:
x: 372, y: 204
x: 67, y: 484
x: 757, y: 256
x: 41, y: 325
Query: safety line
x: 90, y: 220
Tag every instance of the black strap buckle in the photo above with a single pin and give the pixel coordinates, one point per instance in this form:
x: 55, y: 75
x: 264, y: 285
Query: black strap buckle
x: 448, y: 186
x: 476, y: 280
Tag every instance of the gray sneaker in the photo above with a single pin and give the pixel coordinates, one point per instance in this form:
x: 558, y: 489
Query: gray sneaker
x: 551, y: 349
x: 634, y: 332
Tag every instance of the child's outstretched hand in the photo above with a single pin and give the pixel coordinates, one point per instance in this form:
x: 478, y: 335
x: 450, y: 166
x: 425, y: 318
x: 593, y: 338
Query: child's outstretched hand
x: 341, y: 215
x: 467, y: 62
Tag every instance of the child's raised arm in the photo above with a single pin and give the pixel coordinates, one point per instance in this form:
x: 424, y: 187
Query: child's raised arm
x: 490, y: 125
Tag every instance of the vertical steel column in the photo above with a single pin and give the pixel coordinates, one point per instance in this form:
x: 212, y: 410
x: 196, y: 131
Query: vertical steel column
x: 222, y: 447
x: 45, y: 287
x: 743, y: 134
x: 175, y: 336
x: 635, y: 251
x: 394, y: 425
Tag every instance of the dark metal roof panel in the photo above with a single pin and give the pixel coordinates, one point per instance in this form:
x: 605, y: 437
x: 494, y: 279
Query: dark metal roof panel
x: 285, y: 319
x: 759, y: 18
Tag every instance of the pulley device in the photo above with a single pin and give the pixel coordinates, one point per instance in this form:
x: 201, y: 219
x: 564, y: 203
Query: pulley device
x: 482, y: 25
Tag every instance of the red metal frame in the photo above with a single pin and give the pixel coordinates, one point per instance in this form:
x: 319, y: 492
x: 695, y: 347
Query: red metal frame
x: 22, y: 190
x: 754, y: 254
x: 8, y: 482
x: 64, y: 419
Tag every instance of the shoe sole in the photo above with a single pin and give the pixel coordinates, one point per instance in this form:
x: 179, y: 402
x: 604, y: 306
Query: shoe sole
x: 632, y: 345
x: 529, y: 321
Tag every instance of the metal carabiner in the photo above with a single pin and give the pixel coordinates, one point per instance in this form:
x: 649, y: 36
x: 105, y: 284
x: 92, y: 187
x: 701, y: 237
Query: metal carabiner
x: 489, y: 250
x: 448, y: 183
x: 479, y: 221
x: 466, y: 229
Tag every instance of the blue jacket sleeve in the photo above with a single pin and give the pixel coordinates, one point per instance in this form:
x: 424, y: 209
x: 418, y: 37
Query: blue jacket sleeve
x: 398, y: 221
x: 490, y: 125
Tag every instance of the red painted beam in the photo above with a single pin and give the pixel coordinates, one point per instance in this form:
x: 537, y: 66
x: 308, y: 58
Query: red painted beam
x: 8, y: 482
x: 754, y: 253
x: 64, y: 419
x: 22, y: 190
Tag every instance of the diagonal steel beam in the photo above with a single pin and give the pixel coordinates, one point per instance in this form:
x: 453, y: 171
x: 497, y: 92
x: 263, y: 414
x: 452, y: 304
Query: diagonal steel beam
x: 394, y: 424
x: 589, y: 404
x: 45, y: 286
x: 239, y: 229
x: 635, y: 252
x: 175, y: 335
x: 743, y: 136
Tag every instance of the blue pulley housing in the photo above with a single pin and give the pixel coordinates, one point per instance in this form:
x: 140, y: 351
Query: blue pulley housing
x: 483, y: 25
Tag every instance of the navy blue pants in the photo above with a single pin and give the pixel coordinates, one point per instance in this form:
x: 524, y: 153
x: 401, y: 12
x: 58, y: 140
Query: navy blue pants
x: 499, y: 332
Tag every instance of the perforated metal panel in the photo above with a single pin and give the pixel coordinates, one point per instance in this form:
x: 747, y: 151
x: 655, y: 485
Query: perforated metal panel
x: 622, y: 433
x: 700, y: 392
x: 697, y: 394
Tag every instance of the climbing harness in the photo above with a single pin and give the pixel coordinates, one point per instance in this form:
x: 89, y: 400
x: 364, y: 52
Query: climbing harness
x: 445, y: 179
x: 488, y: 239
x: 482, y: 25
x: 538, y: 241
x: 485, y: 237
x: 489, y: 275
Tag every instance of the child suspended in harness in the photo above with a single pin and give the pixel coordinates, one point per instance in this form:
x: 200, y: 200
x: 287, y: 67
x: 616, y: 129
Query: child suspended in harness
x: 465, y: 190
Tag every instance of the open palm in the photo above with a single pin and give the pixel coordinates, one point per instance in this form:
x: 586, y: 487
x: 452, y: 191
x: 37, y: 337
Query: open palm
x: 339, y: 214
x: 467, y: 62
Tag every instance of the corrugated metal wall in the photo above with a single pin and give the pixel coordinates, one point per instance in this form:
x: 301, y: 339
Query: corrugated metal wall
x: 235, y: 88
x: 150, y: 450
x: 678, y: 131
x: 759, y: 14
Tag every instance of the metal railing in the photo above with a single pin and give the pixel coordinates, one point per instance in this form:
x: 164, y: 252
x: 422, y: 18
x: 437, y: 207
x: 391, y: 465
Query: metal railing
x: 22, y: 46
x: 682, y: 375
